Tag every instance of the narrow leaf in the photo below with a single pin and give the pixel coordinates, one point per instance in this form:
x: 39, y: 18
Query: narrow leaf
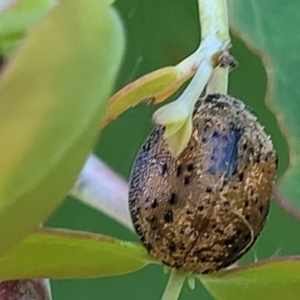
x: 154, y: 87
x: 55, y: 254
x: 274, y: 279
x: 178, y: 142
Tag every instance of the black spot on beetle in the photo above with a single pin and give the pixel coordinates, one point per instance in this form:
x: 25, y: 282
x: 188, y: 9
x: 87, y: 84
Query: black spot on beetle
x: 246, y: 203
x: 154, y: 203
x: 208, y: 190
x: 260, y: 209
x: 220, y: 231
x: 190, y: 167
x: 172, y: 247
x: 187, y: 180
x: 168, y: 217
x: 173, y: 199
x: 241, y: 176
x: 179, y: 171
x: 200, y: 208
x: 164, y: 169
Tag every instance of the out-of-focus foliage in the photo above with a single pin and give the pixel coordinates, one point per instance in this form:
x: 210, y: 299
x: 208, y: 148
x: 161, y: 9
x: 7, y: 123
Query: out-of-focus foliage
x: 273, y: 34
x: 16, y: 20
x: 53, y: 97
x: 70, y: 254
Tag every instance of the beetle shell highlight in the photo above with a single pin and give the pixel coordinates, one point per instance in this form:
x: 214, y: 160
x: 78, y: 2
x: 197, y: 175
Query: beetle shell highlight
x: 202, y: 211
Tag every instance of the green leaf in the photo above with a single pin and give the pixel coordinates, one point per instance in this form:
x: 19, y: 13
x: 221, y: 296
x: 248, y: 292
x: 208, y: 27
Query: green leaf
x: 178, y: 142
x: 15, y: 21
x: 269, y: 28
x: 56, y: 254
x: 63, y: 72
x: 155, y: 87
x: 275, y: 279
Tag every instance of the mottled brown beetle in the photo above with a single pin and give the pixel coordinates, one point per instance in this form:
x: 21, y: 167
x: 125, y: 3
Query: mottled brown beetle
x: 203, y: 210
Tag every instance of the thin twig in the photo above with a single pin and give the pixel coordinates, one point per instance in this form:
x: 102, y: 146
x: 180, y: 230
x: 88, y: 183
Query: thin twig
x: 217, y: 26
x: 174, y: 285
x: 101, y: 188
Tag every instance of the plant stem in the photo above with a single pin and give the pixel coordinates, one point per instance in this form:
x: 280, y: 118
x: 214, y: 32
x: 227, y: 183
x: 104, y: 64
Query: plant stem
x: 214, y: 19
x: 214, y: 22
x: 98, y: 186
x: 218, y: 82
x: 174, y: 285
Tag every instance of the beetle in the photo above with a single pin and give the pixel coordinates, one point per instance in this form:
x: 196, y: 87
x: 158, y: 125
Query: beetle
x: 203, y: 210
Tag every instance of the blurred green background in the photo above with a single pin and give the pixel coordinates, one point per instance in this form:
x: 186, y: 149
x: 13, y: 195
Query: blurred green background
x: 161, y: 33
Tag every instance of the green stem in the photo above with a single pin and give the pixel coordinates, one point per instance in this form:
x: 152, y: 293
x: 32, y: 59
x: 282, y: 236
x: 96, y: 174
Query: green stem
x: 214, y: 19
x: 174, y: 285
x: 218, y: 83
x: 214, y: 23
